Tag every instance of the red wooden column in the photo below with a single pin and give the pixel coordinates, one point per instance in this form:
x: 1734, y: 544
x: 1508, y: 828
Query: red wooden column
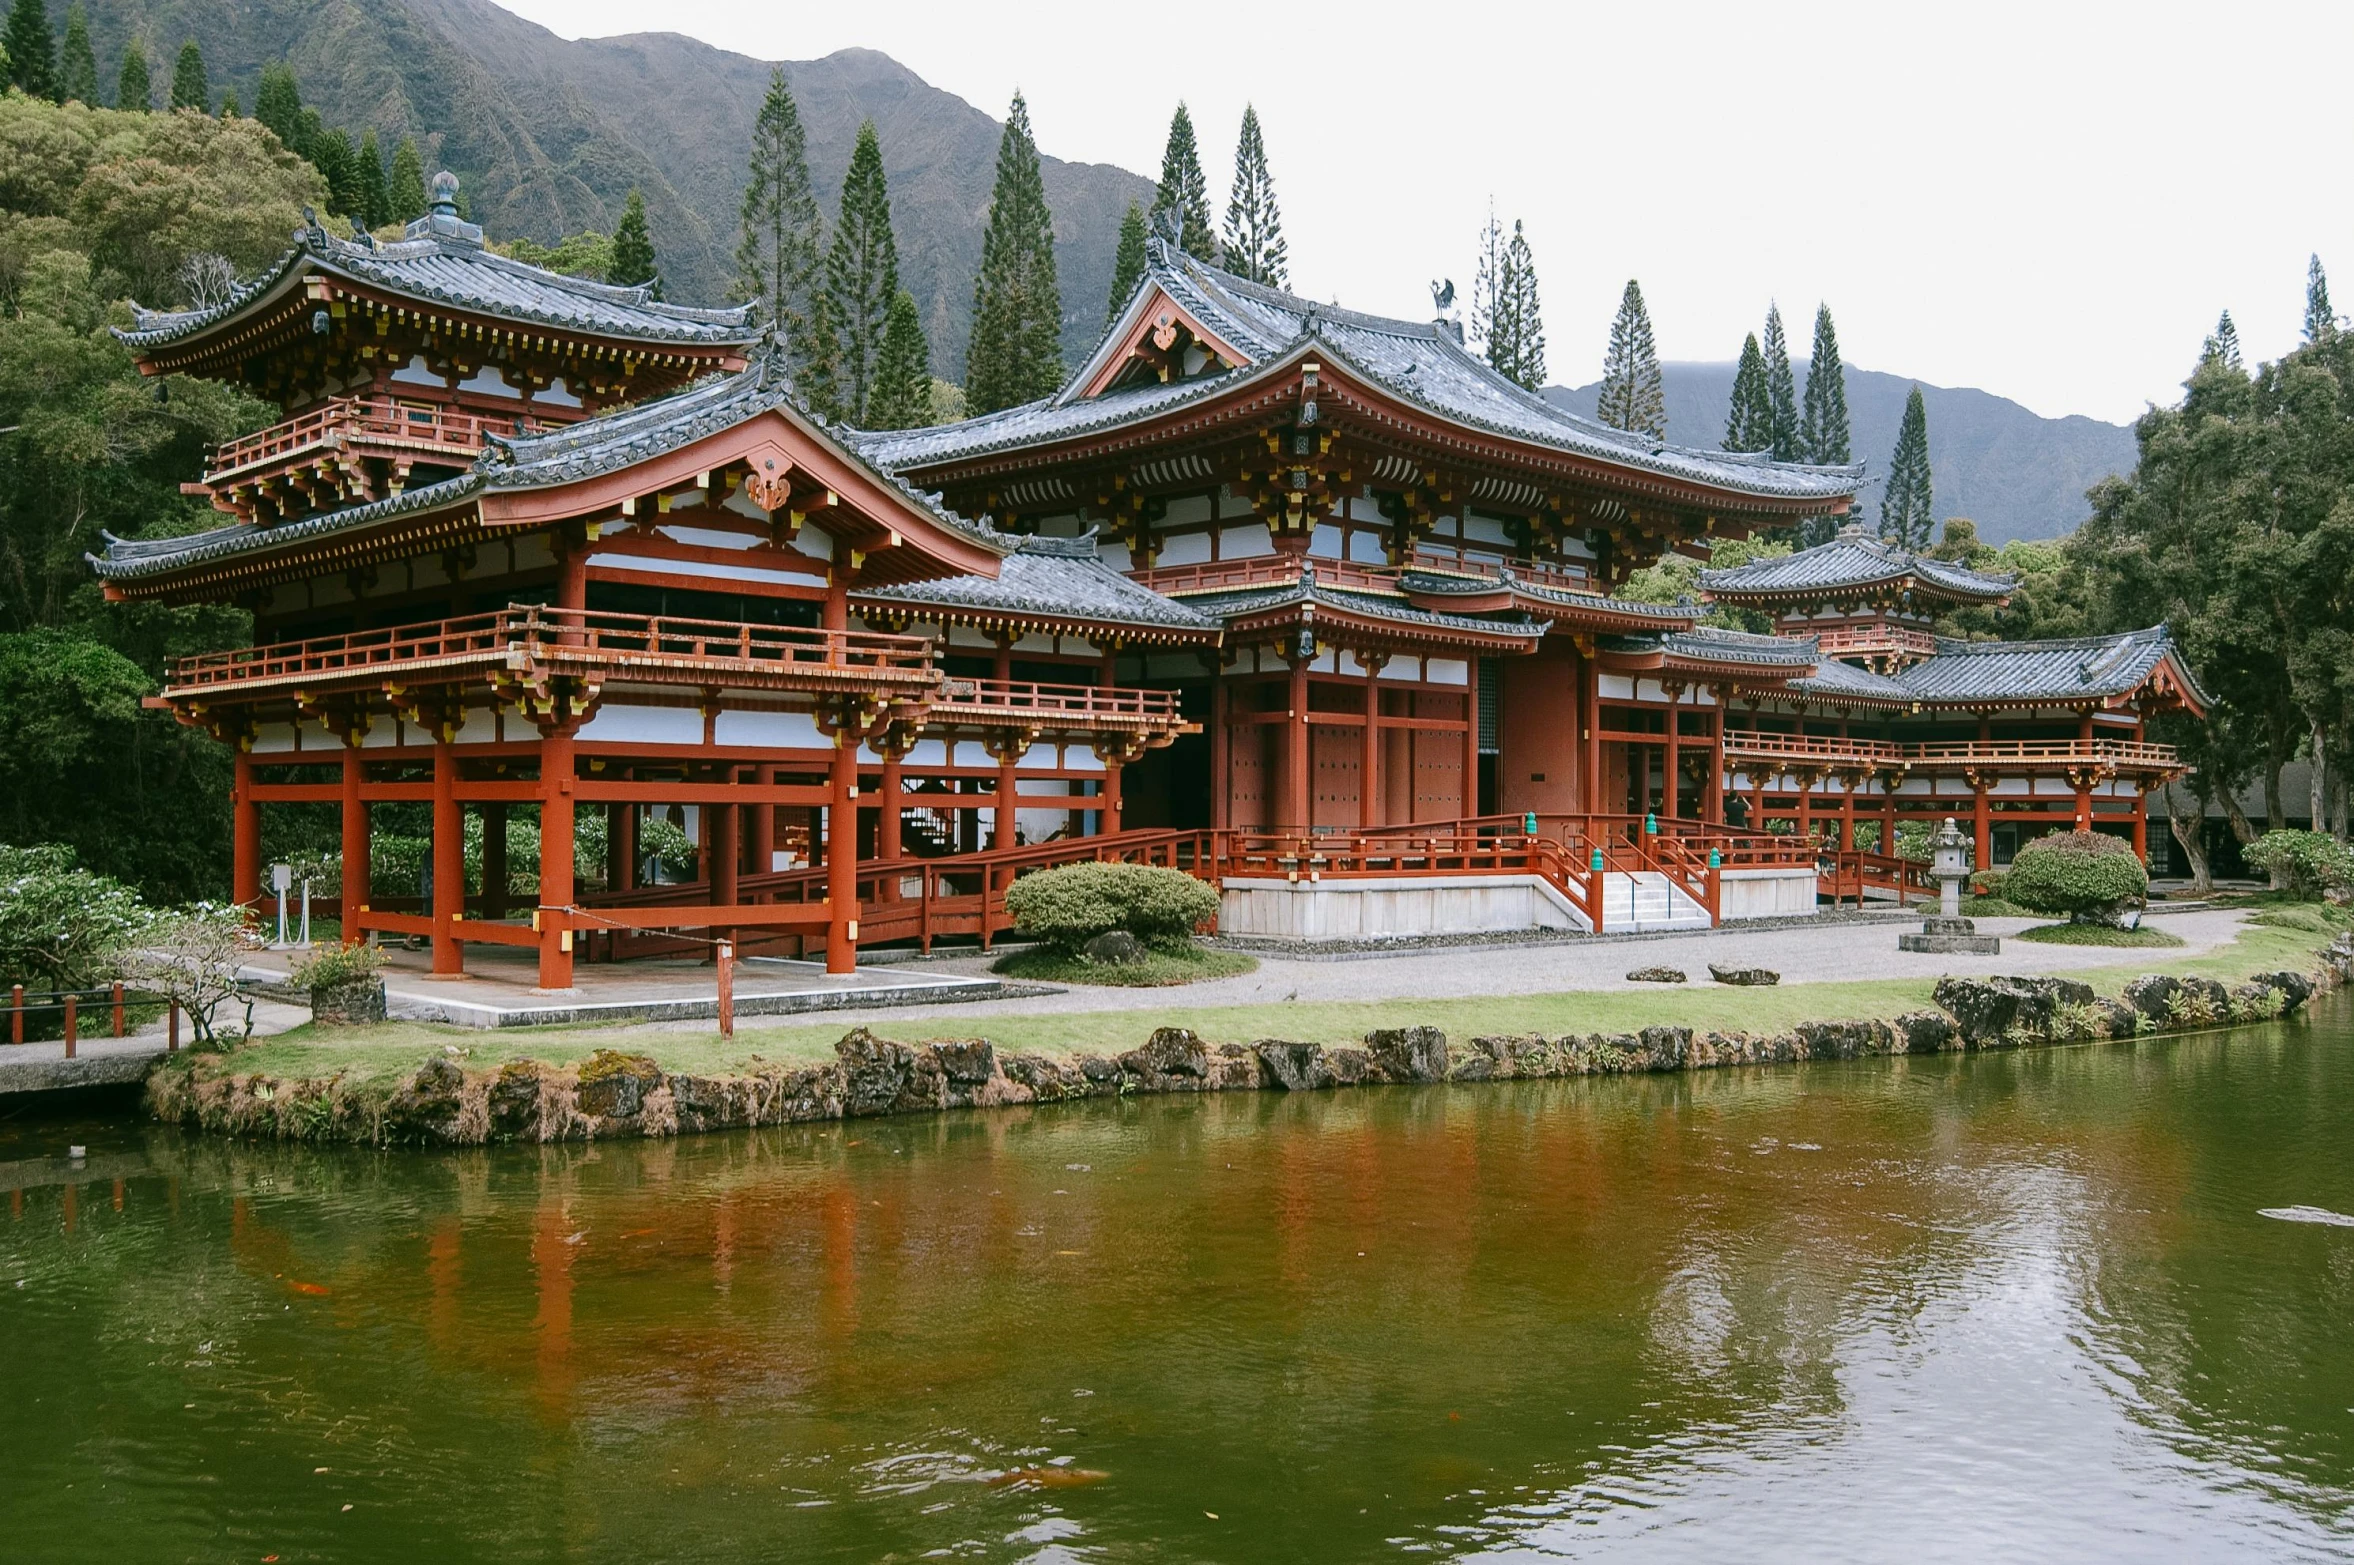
x: 726, y: 846
x: 355, y: 846
x: 2141, y: 824
x: 761, y: 845
x: 1888, y: 786
x: 245, y: 835
x: 556, y: 882
x: 1981, y: 823
x: 1009, y: 752
x: 494, y: 860
x: 1112, y: 762
x: 1590, y: 701
x: 1847, y: 785
x: 894, y: 791
x: 1806, y: 804
x: 1470, y: 738
x: 2084, y: 773
x: 449, y: 860
x: 1369, y: 744
x: 1297, y: 791
x: 1713, y: 802
x: 1221, y: 748
x: 621, y: 847
x: 842, y: 857
x: 1675, y: 755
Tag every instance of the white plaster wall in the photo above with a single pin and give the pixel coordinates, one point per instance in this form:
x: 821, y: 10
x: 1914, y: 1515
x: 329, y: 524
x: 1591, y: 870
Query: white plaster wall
x: 645, y: 725
x: 1766, y: 893
x: 767, y: 730
x: 1373, y: 908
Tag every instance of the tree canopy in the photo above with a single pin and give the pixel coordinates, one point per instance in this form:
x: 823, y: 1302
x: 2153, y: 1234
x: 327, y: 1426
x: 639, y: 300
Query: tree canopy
x: 1015, y: 354
x: 1634, y: 396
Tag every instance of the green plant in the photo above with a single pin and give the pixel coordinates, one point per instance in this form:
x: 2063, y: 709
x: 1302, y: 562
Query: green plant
x: 1071, y: 904
x: 337, y: 967
x: 2309, y: 864
x: 2083, y: 874
x: 2096, y: 935
x: 1989, y: 883
x: 2312, y: 920
x: 1165, y: 964
x: 62, y: 927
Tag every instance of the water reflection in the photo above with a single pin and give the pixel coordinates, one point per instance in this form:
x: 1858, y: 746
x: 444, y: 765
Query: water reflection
x: 1970, y: 1308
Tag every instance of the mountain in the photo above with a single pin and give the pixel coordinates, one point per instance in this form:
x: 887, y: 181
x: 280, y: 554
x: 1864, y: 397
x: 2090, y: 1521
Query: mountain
x: 2013, y: 472
x: 548, y: 136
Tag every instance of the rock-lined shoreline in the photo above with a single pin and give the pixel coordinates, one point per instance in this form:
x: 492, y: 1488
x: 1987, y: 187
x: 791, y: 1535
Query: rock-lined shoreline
x: 616, y: 1093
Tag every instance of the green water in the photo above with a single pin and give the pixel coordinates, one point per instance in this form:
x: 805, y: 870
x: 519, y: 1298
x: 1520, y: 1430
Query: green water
x: 2005, y: 1306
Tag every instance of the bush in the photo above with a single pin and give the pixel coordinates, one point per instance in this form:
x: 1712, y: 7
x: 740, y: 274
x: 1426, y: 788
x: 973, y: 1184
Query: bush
x: 1989, y: 883
x: 338, y: 967
x: 2088, y: 876
x: 2308, y: 864
x: 1073, y: 903
x: 62, y: 927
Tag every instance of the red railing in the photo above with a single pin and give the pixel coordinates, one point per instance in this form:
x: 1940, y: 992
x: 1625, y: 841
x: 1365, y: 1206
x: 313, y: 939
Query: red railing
x: 1838, y: 641
x: 1265, y: 570
x: 379, y: 421
x: 2112, y: 754
x: 1850, y: 873
x: 1564, y: 577
x: 991, y: 698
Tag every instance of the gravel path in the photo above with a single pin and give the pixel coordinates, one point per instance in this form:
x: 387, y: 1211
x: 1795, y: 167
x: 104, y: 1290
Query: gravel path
x: 1839, y: 952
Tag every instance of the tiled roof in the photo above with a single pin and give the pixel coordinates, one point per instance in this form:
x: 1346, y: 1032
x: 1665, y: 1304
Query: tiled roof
x: 1834, y: 680
x: 1854, y: 559
x: 1245, y: 601
x: 1420, y: 363
x: 604, y: 444
x: 2076, y: 669
x: 1707, y: 644
x: 445, y: 263
x: 1059, y: 578
x: 1437, y: 584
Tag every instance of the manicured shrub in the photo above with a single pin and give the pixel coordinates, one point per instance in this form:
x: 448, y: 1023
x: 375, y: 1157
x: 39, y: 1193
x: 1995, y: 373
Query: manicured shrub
x: 1071, y: 904
x: 2308, y: 864
x: 2083, y: 874
x: 1988, y: 883
x: 338, y: 967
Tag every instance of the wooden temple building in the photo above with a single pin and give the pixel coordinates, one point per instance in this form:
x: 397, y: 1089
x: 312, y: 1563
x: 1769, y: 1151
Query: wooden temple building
x: 1309, y: 602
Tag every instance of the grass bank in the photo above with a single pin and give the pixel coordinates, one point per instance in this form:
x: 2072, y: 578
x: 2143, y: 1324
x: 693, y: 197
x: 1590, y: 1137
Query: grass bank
x: 396, y: 1049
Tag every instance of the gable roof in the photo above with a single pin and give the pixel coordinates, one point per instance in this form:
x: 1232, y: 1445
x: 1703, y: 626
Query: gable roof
x: 1420, y: 364
x: 2065, y: 672
x: 445, y: 264
x: 1050, y: 579
x: 1852, y: 561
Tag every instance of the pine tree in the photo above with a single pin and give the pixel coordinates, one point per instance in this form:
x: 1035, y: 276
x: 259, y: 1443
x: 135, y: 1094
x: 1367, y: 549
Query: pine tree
x: 2223, y: 347
x: 134, y: 89
x: 189, y: 89
x: 338, y: 162
x: 228, y: 105
x: 1516, y: 339
x: 778, y: 260
x: 32, y: 52
x: 1822, y: 428
x: 902, y: 394
x: 1015, y: 354
x: 1749, y: 422
x: 1907, y: 504
x: 1781, y: 389
x: 862, y: 275
x: 277, y: 103
x: 77, y: 66
x: 1488, y: 299
x: 633, y: 248
x: 375, y: 202
x: 1184, y: 191
x: 1633, y: 395
x: 404, y: 192
x: 1127, y: 262
x: 1254, y: 227
x: 2320, y: 324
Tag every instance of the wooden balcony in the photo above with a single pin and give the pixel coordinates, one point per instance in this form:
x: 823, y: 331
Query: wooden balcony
x: 1562, y: 578
x: 1264, y: 570
x: 346, y: 451
x: 1897, y: 643
x: 2014, y: 756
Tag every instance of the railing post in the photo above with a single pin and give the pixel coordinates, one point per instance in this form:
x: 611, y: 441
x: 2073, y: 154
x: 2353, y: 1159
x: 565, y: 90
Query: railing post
x: 70, y: 1001
x: 118, y: 1008
x: 16, y: 1013
x: 171, y: 1037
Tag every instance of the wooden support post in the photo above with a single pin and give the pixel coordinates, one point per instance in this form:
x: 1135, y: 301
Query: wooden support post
x: 761, y: 844
x: 1590, y: 714
x: 494, y: 859
x: 355, y: 846
x: 171, y: 1037
x: 1847, y: 783
x: 894, y: 791
x: 725, y: 962
x: 449, y: 861
x: 71, y: 1031
x: 1007, y: 794
x: 1806, y: 805
x: 1674, y: 762
x: 842, y: 858
x: 1714, y: 805
x: 16, y: 1013
x: 245, y: 836
x: 1221, y: 750
x: 1297, y: 790
x: 556, y: 889
x: 1111, y: 791
x: 2141, y: 825
x: 1981, y: 825
x: 621, y: 847
x: 2084, y: 774
x: 1369, y: 748
x: 1888, y: 785
x: 118, y: 1007
x: 726, y: 853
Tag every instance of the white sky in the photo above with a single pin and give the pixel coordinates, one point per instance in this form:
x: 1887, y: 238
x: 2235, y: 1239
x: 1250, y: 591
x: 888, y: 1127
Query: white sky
x: 2050, y: 201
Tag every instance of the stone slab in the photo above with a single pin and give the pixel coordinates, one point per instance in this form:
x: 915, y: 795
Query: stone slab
x: 1948, y: 945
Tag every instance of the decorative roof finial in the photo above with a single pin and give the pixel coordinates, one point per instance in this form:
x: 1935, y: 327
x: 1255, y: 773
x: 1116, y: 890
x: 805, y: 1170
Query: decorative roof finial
x: 445, y: 194
x: 441, y: 220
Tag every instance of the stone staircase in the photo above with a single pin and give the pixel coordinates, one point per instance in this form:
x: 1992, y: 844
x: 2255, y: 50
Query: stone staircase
x: 1646, y: 901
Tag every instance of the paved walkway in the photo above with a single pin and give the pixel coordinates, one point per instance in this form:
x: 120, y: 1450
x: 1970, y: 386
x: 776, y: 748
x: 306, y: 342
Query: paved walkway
x: 1831, y: 952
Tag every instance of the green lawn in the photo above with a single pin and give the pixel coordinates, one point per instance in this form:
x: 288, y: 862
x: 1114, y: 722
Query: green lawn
x: 396, y: 1048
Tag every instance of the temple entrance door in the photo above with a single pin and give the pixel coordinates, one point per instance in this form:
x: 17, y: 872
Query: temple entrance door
x: 1335, y: 756
x: 1248, y: 774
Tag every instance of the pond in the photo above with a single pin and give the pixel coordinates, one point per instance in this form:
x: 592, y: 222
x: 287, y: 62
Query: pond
x: 1954, y: 1307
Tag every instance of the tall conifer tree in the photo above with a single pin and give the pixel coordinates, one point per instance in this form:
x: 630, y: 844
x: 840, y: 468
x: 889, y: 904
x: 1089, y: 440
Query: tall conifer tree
x: 189, y: 89
x: 2320, y: 323
x: 333, y: 155
x: 1781, y: 389
x: 404, y: 192
x: 862, y: 275
x: 1749, y: 422
x: 902, y: 395
x: 1254, y: 226
x: 1015, y: 355
x: 77, y: 66
x: 633, y: 248
x: 1822, y: 428
x: 1908, y: 503
x: 1633, y: 395
x: 2224, y: 347
x: 32, y: 51
x: 1516, y: 336
x: 1488, y: 300
x: 1184, y: 191
x: 134, y: 90
x: 1127, y: 262
x: 778, y: 259
x: 375, y: 198
x: 277, y: 103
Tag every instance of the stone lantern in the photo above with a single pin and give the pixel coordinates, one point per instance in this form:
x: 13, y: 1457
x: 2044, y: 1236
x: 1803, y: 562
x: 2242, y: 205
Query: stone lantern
x: 1947, y: 930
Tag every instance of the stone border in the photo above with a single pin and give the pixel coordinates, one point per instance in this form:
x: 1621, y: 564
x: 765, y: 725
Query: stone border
x: 613, y: 1093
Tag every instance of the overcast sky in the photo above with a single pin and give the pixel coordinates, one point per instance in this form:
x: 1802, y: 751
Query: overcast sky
x: 2051, y: 201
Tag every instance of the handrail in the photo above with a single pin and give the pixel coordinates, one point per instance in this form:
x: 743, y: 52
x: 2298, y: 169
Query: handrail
x: 384, y: 419
x: 1567, y: 578
x: 1265, y: 570
x: 1055, y: 699
x: 1822, y: 747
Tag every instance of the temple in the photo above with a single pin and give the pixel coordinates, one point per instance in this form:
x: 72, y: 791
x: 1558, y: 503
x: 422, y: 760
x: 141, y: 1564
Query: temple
x: 1311, y: 603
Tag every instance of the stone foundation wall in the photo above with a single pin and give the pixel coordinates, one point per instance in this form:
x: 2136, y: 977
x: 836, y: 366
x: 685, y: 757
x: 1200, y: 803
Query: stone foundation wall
x: 619, y: 1094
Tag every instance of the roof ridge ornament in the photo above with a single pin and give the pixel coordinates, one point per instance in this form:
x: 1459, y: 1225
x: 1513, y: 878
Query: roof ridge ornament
x: 441, y: 219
